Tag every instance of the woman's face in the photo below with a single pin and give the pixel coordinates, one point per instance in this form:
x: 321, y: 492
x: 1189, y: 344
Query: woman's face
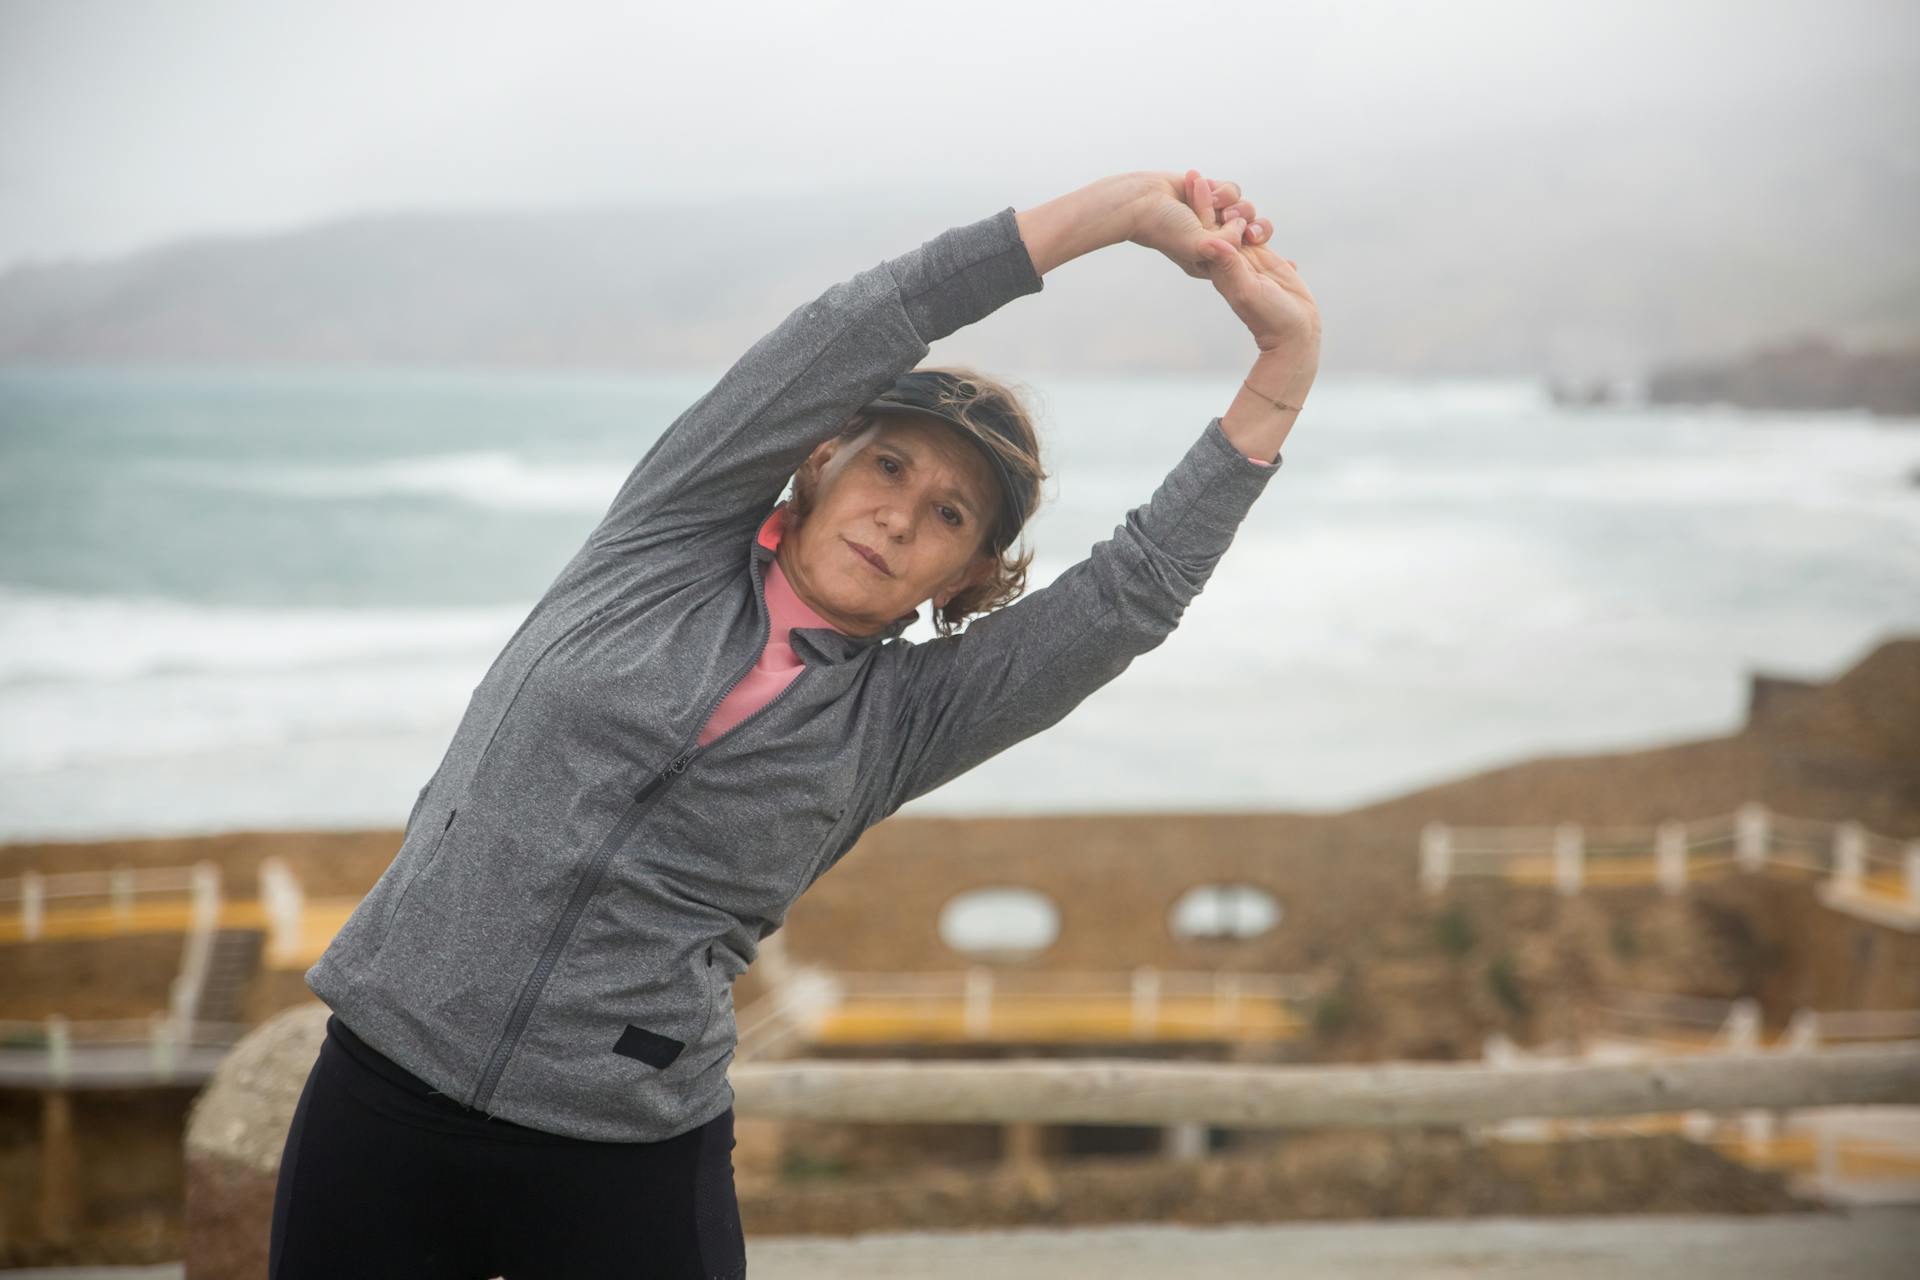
x: 908, y: 492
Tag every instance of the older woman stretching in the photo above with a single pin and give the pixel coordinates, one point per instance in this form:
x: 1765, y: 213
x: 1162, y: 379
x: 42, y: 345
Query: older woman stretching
x: 525, y: 1073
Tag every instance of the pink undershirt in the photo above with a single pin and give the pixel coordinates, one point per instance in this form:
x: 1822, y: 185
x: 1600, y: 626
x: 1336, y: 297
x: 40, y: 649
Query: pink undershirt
x: 778, y: 663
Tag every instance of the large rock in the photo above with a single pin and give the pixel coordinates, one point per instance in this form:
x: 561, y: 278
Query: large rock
x: 235, y: 1133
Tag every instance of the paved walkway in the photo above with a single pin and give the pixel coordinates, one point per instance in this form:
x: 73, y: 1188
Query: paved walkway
x: 1858, y: 1244
x: 1864, y: 1243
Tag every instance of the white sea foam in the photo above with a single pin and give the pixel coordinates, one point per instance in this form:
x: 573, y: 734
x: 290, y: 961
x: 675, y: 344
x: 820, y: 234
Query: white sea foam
x: 487, y: 478
x: 47, y: 637
x: 1769, y: 481
x: 92, y: 682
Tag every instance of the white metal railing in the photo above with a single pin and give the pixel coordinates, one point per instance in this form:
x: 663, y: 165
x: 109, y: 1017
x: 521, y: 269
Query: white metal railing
x: 801, y: 1004
x: 1735, y: 1030
x: 1857, y: 865
x: 119, y: 888
x: 198, y: 948
x: 1810, y: 1028
x: 58, y: 1050
x: 29, y: 895
x: 285, y: 904
x: 1697, y: 1012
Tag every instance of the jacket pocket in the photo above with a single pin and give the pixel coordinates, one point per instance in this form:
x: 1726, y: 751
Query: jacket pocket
x: 659, y: 1050
x: 719, y: 993
x: 406, y: 887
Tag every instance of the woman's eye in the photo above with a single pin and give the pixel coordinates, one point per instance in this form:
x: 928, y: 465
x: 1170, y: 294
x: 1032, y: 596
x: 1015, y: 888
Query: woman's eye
x: 952, y: 516
x: 890, y: 465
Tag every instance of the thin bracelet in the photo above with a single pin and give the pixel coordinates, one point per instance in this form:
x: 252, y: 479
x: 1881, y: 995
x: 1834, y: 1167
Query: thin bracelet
x: 1269, y: 399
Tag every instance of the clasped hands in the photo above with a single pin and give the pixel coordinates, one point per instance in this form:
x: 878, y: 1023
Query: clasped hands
x: 1210, y: 231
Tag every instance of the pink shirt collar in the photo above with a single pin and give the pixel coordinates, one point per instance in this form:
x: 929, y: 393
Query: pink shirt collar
x: 784, y: 605
x: 787, y: 609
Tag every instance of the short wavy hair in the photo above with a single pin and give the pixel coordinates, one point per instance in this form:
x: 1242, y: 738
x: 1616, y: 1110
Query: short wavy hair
x: 1022, y: 456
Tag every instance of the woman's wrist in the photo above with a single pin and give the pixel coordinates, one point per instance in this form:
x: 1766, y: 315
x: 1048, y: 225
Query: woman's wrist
x: 1269, y: 399
x: 1101, y: 213
x: 1286, y: 369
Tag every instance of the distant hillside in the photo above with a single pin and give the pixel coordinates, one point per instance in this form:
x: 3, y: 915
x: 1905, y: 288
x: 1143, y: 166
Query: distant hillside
x: 1846, y: 748
x: 1803, y: 374
x: 1599, y: 251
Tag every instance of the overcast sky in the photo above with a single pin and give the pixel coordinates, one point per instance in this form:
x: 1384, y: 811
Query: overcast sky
x: 127, y: 123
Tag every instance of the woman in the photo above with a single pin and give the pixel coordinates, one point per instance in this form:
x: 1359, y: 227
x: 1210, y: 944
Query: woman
x: 525, y: 1070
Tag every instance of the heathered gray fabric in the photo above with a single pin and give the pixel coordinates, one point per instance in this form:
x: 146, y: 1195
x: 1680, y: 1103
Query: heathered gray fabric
x: 536, y: 907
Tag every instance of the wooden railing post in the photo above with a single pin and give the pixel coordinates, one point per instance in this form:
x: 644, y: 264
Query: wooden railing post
x: 120, y: 890
x: 1146, y: 1002
x: 1499, y: 1050
x: 1743, y: 1025
x: 1436, y: 856
x: 1568, y: 857
x: 1183, y: 1141
x: 285, y: 904
x: 1803, y: 1031
x: 1670, y: 857
x: 206, y: 895
x: 33, y: 904
x: 979, y: 1007
x: 1849, y: 858
x: 59, y: 1048
x: 1022, y: 1145
x: 1750, y: 836
x: 163, y: 1040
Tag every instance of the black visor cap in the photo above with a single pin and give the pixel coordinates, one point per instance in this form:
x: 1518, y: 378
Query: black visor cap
x: 920, y: 391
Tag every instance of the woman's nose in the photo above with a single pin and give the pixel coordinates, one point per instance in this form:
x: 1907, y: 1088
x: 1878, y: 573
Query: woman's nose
x: 897, y: 521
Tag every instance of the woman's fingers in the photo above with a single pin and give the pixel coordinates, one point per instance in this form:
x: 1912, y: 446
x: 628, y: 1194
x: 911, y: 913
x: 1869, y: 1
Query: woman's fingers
x: 1200, y: 199
x: 1229, y: 203
x: 1217, y: 205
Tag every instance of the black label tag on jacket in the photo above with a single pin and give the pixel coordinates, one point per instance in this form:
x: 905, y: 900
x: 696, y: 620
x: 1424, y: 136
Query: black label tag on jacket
x: 650, y: 1047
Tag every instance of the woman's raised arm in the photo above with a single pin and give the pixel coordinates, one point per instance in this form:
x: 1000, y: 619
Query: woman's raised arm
x: 1021, y: 669
x: 720, y: 466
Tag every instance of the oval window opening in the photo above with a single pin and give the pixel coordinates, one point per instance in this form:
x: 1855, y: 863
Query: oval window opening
x: 1212, y: 911
x: 999, y: 921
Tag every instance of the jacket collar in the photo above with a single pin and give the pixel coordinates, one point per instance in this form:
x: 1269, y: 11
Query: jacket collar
x: 823, y: 643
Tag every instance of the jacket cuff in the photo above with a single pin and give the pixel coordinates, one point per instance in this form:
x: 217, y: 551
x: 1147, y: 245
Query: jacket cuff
x: 964, y: 274
x: 1211, y: 490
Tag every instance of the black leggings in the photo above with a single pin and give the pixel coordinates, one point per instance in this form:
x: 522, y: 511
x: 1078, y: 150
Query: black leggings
x: 383, y: 1176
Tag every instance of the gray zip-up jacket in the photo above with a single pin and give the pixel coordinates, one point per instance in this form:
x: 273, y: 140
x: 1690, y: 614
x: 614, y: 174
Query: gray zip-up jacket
x: 556, y: 940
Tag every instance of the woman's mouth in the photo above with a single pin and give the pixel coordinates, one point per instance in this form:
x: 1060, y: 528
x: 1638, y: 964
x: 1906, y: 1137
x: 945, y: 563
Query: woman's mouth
x: 871, y: 556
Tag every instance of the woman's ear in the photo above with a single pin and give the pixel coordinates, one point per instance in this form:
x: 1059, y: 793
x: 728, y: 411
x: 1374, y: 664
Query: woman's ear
x: 821, y: 455
x: 979, y: 569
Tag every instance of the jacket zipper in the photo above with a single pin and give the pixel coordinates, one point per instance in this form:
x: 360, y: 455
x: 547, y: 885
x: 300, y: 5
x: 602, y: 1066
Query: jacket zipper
x: 583, y: 893
x: 589, y: 883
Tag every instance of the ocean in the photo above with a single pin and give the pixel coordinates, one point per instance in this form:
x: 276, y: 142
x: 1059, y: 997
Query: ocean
x: 253, y: 599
